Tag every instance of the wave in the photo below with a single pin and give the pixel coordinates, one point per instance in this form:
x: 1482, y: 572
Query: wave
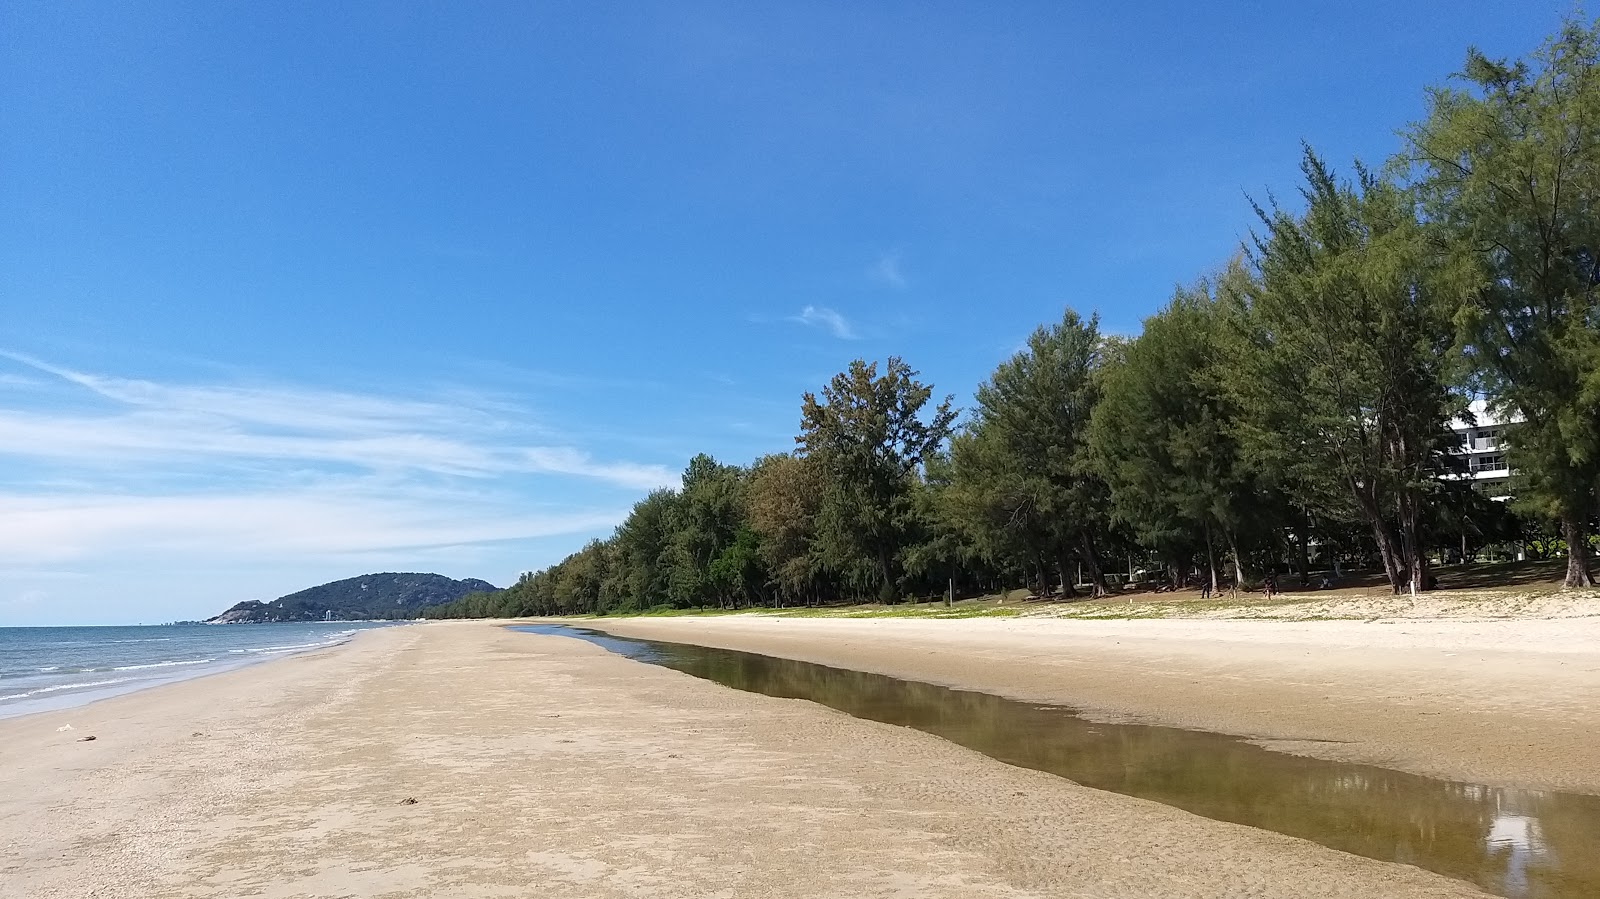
x: 59, y: 687
x: 35, y: 671
x: 167, y: 664
x: 289, y: 647
x: 106, y: 642
x: 56, y: 670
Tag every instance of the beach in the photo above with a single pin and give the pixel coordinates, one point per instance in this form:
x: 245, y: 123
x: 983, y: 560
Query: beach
x: 1512, y: 702
x: 466, y: 760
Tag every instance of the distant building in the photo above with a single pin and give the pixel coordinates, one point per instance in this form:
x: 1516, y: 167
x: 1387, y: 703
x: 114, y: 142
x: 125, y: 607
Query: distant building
x: 1483, y: 445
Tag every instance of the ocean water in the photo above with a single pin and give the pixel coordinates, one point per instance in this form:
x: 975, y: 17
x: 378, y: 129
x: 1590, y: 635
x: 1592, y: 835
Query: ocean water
x: 44, y: 668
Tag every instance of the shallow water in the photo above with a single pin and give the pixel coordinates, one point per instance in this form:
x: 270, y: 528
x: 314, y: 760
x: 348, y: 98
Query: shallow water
x: 45, y: 668
x: 1526, y: 844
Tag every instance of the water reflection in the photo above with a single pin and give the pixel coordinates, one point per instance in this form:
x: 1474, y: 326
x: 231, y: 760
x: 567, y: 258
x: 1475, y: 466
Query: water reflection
x: 1518, y: 838
x: 1525, y: 844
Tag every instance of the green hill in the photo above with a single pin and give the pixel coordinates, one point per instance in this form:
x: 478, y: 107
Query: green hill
x: 387, y: 595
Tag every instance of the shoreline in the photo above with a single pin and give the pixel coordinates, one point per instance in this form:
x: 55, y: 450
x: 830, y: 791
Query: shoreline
x: 463, y: 759
x: 164, y: 673
x: 1503, y: 703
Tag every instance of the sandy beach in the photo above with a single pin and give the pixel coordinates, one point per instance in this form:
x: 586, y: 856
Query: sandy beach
x: 1509, y: 702
x: 544, y: 766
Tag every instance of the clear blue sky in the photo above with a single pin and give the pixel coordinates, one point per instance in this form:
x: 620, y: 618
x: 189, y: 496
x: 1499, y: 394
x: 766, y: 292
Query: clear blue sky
x: 295, y: 291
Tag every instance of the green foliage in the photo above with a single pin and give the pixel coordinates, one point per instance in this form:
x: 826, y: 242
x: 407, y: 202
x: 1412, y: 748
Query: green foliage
x: 1344, y: 372
x: 370, y: 596
x: 867, y: 435
x: 1509, y: 169
x: 1299, y: 400
x: 1165, y: 437
x: 782, y: 503
x: 1027, y: 488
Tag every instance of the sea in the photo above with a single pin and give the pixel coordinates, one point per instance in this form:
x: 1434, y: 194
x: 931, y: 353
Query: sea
x: 44, y: 668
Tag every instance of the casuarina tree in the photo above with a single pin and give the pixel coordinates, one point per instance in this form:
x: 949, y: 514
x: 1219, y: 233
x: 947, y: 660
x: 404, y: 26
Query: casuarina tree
x: 869, y: 434
x: 1509, y: 166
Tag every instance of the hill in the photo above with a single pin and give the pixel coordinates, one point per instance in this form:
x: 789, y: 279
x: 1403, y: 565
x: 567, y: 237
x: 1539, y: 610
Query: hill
x: 387, y: 595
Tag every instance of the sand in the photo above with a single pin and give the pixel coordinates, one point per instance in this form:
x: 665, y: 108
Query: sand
x: 1504, y: 702
x: 544, y: 766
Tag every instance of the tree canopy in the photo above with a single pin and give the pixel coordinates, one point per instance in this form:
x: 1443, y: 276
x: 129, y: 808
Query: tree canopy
x: 1294, y: 408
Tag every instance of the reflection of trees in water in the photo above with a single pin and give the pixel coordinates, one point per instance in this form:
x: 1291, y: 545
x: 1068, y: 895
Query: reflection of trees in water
x: 1518, y: 838
x: 1508, y: 841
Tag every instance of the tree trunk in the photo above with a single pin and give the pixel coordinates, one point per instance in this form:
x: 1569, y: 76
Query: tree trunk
x: 1416, y: 555
x: 1238, y: 563
x: 1387, y: 549
x: 886, y: 587
x: 1211, y: 563
x: 1302, y: 553
x: 1574, y: 529
x: 1097, y: 580
x: 1382, y: 535
x: 1064, y: 561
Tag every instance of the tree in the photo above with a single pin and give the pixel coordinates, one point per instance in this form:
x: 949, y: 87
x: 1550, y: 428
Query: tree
x: 736, y: 573
x: 941, y: 553
x: 995, y: 506
x: 641, y: 575
x: 1164, y: 436
x: 706, y: 519
x: 868, y: 436
x: 1344, y: 367
x: 1510, y: 171
x: 1026, y: 452
x: 781, y: 504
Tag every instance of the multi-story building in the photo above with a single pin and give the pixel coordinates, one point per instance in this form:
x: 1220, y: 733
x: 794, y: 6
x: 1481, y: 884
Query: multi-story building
x: 1483, y: 443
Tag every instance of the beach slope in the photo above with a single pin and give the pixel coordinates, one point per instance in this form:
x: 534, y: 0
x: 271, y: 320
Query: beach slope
x: 1512, y: 702
x: 465, y: 760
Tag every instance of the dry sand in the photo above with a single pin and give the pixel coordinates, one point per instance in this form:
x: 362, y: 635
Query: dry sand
x: 1503, y: 702
x: 546, y: 767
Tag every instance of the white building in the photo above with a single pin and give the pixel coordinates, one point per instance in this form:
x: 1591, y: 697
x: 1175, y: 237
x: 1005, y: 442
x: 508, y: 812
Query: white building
x: 1483, y: 443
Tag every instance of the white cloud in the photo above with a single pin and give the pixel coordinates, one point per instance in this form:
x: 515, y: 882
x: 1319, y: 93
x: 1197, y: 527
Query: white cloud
x: 565, y: 460
x: 153, y: 422
x: 887, y: 271
x: 131, y: 499
x: 262, y: 526
x: 828, y: 320
x: 121, y: 475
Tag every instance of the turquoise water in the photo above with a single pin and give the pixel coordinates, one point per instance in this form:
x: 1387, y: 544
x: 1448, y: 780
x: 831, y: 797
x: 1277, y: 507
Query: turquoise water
x: 44, y: 668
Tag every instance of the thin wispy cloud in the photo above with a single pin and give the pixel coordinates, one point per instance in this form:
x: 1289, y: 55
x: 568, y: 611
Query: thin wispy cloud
x: 262, y: 526
x: 828, y: 320
x: 148, y: 420
x: 887, y: 271
x: 102, y: 470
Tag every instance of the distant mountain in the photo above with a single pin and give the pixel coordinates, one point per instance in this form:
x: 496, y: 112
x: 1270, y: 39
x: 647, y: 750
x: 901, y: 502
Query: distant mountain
x: 368, y: 596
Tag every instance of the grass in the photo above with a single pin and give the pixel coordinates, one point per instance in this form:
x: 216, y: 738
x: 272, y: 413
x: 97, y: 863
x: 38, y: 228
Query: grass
x: 959, y: 610
x: 1360, y: 596
x: 965, y: 609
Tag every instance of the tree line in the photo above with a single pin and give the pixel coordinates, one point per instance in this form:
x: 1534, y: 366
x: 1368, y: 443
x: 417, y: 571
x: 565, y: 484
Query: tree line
x: 1291, y: 408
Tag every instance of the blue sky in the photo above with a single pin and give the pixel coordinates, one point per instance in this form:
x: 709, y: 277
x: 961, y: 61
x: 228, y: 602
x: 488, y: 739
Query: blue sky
x: 291, y: 292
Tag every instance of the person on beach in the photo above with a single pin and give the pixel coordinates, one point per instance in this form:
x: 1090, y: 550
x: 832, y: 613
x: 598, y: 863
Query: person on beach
x: 1269, y: 585
x: 1205, y: 589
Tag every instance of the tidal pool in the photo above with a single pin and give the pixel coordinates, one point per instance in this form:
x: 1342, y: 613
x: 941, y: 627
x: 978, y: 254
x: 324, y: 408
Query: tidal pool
x: 1524, y: 844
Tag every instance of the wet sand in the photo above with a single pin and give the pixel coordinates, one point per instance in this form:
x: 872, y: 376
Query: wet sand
x: 1508, y: 702
x: 543, y: 766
